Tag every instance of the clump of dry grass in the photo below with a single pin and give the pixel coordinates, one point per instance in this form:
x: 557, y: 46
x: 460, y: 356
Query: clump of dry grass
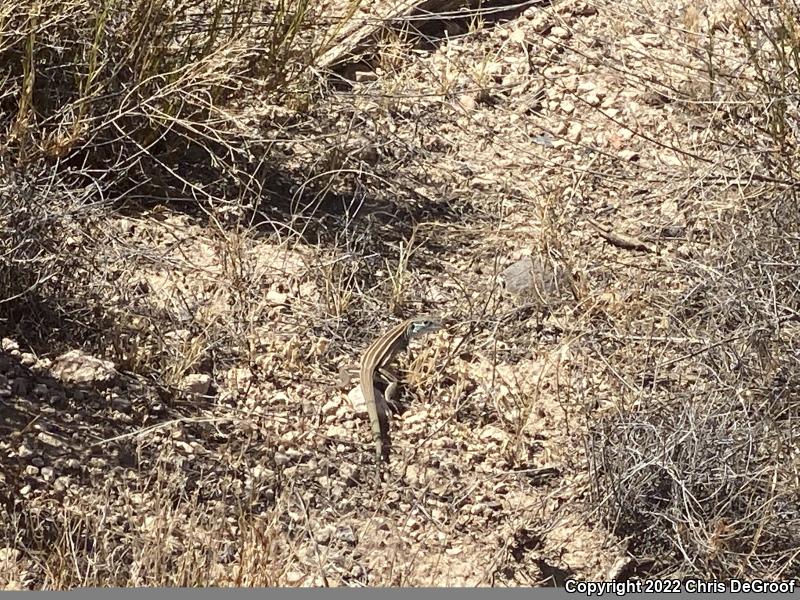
x: 138, y: 100
x: 706, y: 486
x: 42, y: 267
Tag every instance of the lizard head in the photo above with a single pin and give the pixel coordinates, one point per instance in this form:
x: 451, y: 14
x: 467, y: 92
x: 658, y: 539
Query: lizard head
x: 422, y: 325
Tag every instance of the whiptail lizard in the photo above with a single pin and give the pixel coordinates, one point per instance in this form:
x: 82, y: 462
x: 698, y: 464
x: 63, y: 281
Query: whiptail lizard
x: 375, y: 361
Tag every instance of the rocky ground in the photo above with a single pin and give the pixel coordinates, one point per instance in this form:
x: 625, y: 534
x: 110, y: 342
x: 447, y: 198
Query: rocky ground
x: 553, y: 181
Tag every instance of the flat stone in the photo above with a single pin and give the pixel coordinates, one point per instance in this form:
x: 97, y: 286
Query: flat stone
x: 196, y: 383
x: 77, y: 367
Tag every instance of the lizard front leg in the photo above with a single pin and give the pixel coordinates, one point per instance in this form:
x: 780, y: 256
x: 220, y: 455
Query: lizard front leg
x: 389, y: 377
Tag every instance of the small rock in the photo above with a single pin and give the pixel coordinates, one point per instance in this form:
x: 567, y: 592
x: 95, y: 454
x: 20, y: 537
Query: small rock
x: 421, y: 416
x: 567, y: 106
x: 260, y: 472
x: 670, y: 159
x: 47, y: 473
x: 412, y: 475
x: 9, y: 345
x: 357, y: 400
x: 294, y: 577
x: 183, y: 447
x: 560, y: 32
x: 345, y: 534
x: 120, y: 404
x: 467, y: 102
x: 625, y: 134
x: 324, y: 534
x: 357, y: 572
x: 49, y: 439
x: 669, y: 208
x: 198, y: 448
x: 196, y: 383
x: 673, y: 232
x: 336, y: 432
x: 574, y: 132
x: 294, y: 454
x: 31, y: 471
x: 651, y: 40
x: 350, y: 473
x: 547, y: 44
x: 98, y: 463
x: 539, y: 277
x: 592, y: 99
x: 289, y: 437
x: 78, y: 367
x: 24, y: 452
x: 628, y: 155
x: 330, y: 407
x: 343, y: 413
x: 276, y: 298
x: 494, y: 433
x: 685, y: 251
x: 519, y: 276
